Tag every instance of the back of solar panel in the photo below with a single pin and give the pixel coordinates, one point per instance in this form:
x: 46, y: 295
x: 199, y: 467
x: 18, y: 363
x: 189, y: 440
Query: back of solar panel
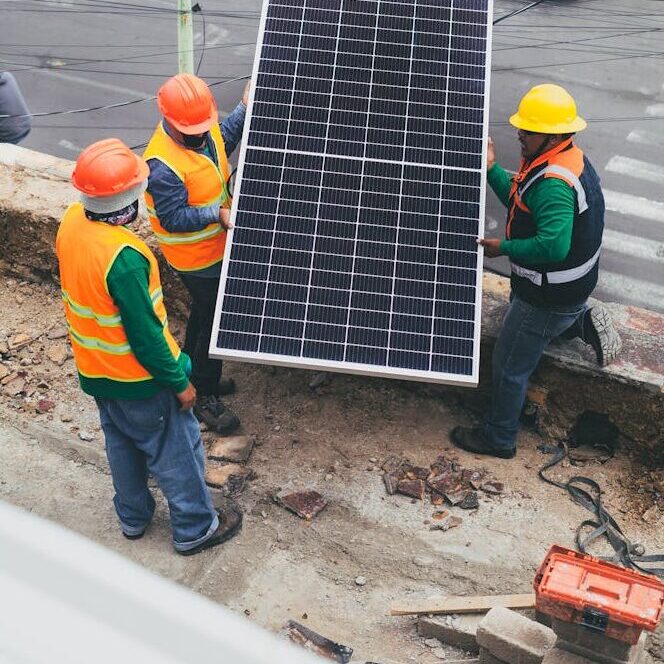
x: 360, y: 191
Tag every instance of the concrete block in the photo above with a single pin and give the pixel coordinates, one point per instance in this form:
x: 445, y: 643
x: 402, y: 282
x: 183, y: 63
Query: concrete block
x: 558, y: 656
x: 636, y: 653
x: 513, y: 638
x: 583, y: 641
x: 487, y: 658
x: 236, y: 449
x: 457, y: 631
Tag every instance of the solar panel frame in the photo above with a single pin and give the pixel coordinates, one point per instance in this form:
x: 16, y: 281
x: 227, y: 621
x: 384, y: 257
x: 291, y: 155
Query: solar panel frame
x: 235, y: 234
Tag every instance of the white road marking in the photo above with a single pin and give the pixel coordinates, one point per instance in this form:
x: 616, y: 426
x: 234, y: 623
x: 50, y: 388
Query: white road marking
x: 637, y: 247
x: 635, y: 206
x: 646, y: 138
x: 636, y: 168
x: 621, y: 287
x: 93, y: 84
x: 656, y: 110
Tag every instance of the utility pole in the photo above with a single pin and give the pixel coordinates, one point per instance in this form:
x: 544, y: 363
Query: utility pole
x: 185, y: 38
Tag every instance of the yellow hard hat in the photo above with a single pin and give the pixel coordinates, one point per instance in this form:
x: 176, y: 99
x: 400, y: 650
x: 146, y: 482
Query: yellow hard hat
x: 548, y: 109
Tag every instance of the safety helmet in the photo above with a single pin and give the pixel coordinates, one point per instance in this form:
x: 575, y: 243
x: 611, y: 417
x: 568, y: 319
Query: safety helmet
x: 109, y: 176
x: 548, y: 109
x: 187, y: 103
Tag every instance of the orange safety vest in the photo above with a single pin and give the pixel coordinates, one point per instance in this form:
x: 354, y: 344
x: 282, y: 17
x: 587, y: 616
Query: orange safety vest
x: 86, y: 251
x: 206, y: 184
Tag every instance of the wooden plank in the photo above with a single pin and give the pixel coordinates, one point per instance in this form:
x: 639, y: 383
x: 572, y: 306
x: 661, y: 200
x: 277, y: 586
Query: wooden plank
x: 471, y: 604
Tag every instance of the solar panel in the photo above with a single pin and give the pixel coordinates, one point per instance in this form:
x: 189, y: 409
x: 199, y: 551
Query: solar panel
x: 360, y: 191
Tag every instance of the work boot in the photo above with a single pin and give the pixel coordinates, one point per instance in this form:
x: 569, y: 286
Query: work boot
x: 601, y: 334
x: 211, y: 410
x: 230, y: 524
x: 225, y: 387
x: 473, y: 440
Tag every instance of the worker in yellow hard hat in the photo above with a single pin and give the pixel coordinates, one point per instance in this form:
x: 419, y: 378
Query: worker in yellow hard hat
x: 127, y: 358
x: 553, y: 238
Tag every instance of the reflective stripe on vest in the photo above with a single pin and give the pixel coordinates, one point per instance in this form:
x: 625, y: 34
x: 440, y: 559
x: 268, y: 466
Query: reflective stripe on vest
x: 86, y: 252
x: 567, y: 175
x: 560, y: 276
x: 206, y: 185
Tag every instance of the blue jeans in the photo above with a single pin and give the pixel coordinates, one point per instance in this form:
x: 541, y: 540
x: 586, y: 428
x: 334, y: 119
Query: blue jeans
x: 526, y: 332
x: 154, y: 436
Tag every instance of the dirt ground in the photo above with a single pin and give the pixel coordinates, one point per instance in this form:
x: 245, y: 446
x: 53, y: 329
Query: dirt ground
x: 333, y: 438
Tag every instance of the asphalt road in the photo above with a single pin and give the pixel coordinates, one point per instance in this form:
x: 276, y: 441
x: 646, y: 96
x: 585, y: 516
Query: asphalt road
x: 608, y: 53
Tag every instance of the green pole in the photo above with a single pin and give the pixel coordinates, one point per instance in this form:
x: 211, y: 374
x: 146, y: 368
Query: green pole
x: 185, y: 38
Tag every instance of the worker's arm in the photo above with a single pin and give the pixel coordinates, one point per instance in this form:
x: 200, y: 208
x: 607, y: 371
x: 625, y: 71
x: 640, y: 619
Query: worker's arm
x: 232, y: 126
x: 500, y: 181
x: 128, y: 281
x: 552, y: 204
x: 172, y: 204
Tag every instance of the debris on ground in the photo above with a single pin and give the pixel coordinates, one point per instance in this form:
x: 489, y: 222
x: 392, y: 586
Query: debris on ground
x: 316, y: 643
x: 236, y: 449
x: 306, y: 503
x: 445, y: 480
x: 360, y: 580
x: 230, y: 478
x: 447, y: 523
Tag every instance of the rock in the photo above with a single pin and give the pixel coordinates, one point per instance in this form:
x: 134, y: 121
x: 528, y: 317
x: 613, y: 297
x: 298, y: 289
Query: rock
x: 57, y: 353
x: 306, y: 503
x: 450, y: 522
x: 236, y: 449
x: 86, y: 435
x: 45, y: 406
x: 413, y: 488
x: 4, y: 371
x: 493, y: 487
x: 391, y: 481
x: 277, y: 428
x: 652, y: 515
x: 58, y: 332
x: 17, y: 341
x: 432, y: 643
x: 15, y: 386
x: 66, y: 418
x: 439, y: 653
x: 360, y: 581
x: 423, y: 561
x: 373, y: 460
x: 230, y: 478
x: 470, y: 501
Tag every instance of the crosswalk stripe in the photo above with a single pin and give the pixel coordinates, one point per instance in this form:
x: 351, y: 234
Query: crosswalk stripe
x: 656, y: 110
x: 635, y: 206
x: 636, y: 168
x: 624, y: 288
x: 646, y: 138
x: 637, y: 247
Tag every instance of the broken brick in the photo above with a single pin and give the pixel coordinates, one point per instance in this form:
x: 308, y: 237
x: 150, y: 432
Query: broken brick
x: 306, y: 503
x: 418, y: 473
x: 391, y: 480
x: 412, y: 488
x: 493, y: 488
x: 236, y: 449
x: 230, y: 478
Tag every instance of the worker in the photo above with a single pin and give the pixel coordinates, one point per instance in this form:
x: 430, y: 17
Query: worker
x: 189, y: 209
x: 127, y: 358
x: 553, y: 237
x: 15, y: 118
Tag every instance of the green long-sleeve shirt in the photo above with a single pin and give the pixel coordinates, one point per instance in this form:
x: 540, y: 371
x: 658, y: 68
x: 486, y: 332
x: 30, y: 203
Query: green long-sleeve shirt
x: 551, y: 202
x: 128, y: 281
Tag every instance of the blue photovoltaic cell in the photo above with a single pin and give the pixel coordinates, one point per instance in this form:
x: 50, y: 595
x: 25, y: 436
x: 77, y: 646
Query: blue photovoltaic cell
x: 360, y: 190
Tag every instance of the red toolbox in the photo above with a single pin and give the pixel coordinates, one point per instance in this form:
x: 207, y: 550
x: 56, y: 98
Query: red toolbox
x: 603, y: 597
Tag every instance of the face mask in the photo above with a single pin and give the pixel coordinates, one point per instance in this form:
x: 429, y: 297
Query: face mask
x: 120, y: 218
x: 194, y: 142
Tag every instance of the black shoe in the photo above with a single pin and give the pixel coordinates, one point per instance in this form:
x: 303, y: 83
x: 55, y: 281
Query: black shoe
x: 230, y: 524
x: 133, y: 537
x: 600, y: 333
x: 225, y: 387
x: 474, y: 440
x: 219, y: 418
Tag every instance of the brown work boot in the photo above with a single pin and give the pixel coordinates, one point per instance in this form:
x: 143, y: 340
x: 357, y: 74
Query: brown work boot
x: 218, y: 417
x: 230, y: 524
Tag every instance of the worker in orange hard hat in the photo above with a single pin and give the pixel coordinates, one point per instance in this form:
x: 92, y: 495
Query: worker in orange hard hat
x: 189, y: 209
x: 553, y: 239
x: 127, y: 358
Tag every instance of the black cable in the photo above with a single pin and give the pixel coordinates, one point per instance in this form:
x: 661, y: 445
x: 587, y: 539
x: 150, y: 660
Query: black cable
x: 516, y: 12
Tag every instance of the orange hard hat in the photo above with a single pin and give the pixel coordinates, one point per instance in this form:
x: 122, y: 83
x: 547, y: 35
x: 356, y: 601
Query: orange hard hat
x: 187, y: 103
x: 108, y: 168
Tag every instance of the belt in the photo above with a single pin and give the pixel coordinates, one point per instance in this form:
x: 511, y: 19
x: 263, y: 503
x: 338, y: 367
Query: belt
x: 559, y: 276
